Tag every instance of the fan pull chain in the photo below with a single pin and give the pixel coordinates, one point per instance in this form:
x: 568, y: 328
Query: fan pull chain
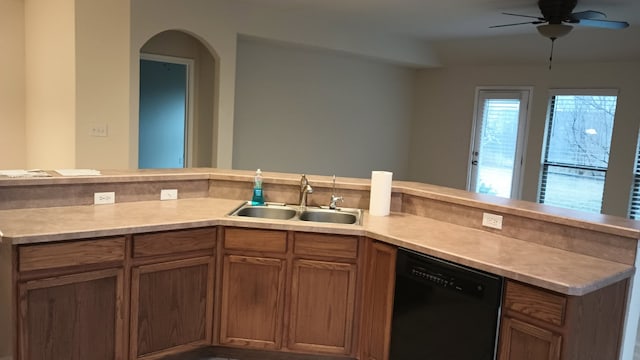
x: 553, y: 40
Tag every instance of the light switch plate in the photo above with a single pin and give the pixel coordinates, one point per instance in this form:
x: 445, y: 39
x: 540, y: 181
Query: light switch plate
x: 99, y: 130
x: 169, y: 194
x: 492, y: 221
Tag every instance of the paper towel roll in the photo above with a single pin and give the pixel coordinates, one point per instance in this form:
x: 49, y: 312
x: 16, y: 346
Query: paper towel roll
x: 380, y: 196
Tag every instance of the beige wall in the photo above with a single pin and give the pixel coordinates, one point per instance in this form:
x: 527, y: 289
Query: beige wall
x: 205, y: 135
x: 12, y: 126
x: 305, y: 110
x: 441, y: 131
x: 68, y: 69
x: 50, y: 83
x: 102, y: 80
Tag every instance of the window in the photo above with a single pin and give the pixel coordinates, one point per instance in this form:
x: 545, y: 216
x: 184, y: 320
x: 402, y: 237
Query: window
x: 576, y: 151
x: 497, y: 140
x: 634, y: 206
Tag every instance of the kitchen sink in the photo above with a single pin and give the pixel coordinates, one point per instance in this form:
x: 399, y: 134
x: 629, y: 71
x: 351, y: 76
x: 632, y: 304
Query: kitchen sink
x: 330, y: 216
x: 280, y: 211
x: 267, y: 212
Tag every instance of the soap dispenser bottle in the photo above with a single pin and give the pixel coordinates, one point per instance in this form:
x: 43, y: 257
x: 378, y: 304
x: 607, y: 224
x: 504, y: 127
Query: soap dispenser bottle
x: 257, y: 198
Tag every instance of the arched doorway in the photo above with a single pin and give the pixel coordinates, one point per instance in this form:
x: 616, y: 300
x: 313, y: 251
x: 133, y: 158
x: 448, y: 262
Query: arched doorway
x: 161, y: 115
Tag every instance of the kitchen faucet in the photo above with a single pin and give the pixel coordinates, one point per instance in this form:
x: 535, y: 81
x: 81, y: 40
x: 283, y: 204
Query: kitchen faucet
x: 334, y: 198
x: 305, y: 189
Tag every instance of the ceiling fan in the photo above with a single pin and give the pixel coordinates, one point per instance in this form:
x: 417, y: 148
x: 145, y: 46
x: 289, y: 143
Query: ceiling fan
x: 559, y: 12
x: 558, y: 18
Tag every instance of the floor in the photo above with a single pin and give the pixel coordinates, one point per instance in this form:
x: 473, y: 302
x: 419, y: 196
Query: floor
x: 233, y: 354
x: 213, y: 353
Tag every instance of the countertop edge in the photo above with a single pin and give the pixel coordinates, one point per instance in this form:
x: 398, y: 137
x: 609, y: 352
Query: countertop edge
x: 616, y: 273
x: 561, y: 287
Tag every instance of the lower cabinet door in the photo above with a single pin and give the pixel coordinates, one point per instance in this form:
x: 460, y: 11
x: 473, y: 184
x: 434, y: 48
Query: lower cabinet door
x: 74, y: 317
x: 522, y: 341
x: 252, y: 301
x: 322, y: 306
x: 378, y: 301
x: 171, y: 307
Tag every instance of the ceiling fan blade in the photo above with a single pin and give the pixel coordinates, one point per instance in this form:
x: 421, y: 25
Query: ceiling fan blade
x: 520, y: 23
x: 589, y: 14
x: 528, y: 16
x: 605, y: 24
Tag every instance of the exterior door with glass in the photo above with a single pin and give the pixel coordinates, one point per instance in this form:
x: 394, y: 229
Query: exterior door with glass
x: 495, y: 162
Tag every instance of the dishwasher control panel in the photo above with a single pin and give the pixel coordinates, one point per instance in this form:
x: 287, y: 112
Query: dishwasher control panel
x: 440, y: 277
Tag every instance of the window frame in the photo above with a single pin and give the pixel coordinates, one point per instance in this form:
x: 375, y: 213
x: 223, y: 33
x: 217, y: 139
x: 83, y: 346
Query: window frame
x: 634, y: 196
x: 526, y: 97
x: 544, y: 164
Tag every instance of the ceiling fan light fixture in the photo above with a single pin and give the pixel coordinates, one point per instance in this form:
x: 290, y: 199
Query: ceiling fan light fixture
x: 554, y: 31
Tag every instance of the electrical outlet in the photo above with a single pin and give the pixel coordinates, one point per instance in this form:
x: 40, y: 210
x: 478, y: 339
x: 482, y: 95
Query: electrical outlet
x: 101, y: 198
x: 99, y: 130
x: 169, y: 194
x: 492, y: 220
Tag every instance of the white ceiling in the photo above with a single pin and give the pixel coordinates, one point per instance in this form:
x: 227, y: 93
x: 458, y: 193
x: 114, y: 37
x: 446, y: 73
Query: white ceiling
x: 459, y: 30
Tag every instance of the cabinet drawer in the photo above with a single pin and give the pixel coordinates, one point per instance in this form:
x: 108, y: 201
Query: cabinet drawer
x: 171, y: 242
x: 255, y: 240
x: 535, y: 303
x: 72, y: 253
x: 326, y: 245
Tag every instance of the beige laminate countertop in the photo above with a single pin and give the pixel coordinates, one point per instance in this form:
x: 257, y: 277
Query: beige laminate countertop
x: 554, y: 269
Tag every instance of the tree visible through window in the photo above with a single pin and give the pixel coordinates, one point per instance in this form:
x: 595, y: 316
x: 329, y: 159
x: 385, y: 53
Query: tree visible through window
x: 634, y: 206
x: 576, y: 154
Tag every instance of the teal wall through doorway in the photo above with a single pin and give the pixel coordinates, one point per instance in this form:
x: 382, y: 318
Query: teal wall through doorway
x: 163, y: 101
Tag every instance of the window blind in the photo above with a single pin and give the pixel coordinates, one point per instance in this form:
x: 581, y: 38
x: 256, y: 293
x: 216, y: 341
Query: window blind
x: 576, y: 151
x: 634, y: 206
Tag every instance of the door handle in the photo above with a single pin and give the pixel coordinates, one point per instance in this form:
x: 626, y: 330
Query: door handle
x: 474, y: 162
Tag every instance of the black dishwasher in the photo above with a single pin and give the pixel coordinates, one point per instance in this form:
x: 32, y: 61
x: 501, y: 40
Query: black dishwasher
x: 443, y: 311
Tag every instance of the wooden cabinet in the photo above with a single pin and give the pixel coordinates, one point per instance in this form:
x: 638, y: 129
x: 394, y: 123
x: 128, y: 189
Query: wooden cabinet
x: 252, y: 301
x: 524, y: 341
x: 538, y: 324
x: 323, y: 293
x: 171, y: 292
x: 71, y: 300
x: 64, y: 255
x: 306, y: 281
x: 322, y: 306
x: 170, y: 306
x: 252, y: 288
x: 72, y: 317
x: 532, y: 323
x: 145, y: 296
x: 379, y: 288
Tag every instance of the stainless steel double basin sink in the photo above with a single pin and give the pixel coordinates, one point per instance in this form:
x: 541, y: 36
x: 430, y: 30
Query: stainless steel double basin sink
x: 297, y: 213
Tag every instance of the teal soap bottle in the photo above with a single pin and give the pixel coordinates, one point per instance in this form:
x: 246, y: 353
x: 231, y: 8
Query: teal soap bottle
x: 258, y: 198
